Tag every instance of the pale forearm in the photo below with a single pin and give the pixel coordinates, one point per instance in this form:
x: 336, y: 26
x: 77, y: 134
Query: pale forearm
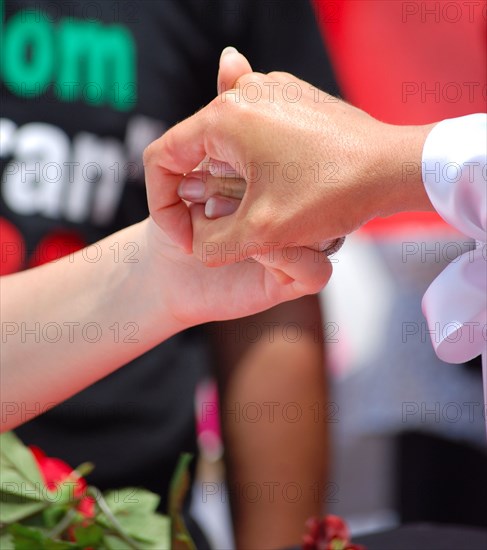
x: 69, y: 323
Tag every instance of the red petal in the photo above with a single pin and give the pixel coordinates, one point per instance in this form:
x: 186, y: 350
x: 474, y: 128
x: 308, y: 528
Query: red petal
x: 55, y: 471
x: 308, y: 543
x: 314, y: 527
x: 336, y: 528
x: 87, y: 507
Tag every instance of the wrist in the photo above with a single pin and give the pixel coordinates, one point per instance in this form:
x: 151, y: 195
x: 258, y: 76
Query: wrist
x: 155, y: 285
x: 160, y: 288
x: 400, y: 187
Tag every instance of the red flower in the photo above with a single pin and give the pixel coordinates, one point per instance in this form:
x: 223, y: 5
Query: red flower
x: 329, y: 533
x: 55, y: 471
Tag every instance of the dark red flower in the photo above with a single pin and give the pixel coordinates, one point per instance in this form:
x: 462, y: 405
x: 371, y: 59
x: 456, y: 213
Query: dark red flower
x: 336, y: 528
x: 328, y: 533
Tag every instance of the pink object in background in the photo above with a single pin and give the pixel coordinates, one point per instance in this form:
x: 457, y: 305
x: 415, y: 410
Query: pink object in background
x: 208, y: 429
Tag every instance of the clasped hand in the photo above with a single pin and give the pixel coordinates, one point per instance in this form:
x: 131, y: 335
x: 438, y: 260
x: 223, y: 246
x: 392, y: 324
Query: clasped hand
x: 274, y: 170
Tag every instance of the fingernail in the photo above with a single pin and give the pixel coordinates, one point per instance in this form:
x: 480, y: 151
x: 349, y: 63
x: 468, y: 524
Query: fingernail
x: 218, y: 207
x: 191, y: 189
x: 227, y: 50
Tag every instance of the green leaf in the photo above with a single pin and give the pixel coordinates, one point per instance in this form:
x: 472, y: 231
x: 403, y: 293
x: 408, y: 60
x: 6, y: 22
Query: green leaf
x: 84, y: 469
x: 115, y: 543
x: 53, y: 515
x: 16, y: 453
x: 63, y: 494
x: 180, y: 483
x: 20, y: 475
x: 88, y: 536
x: 6, y: 542
x: 14, y: 508
x: 18, y: 470
x: 153, y: 530
x: 13, y: 483
x: 133, y: 511
x: 158, y: 530
x: 58, y: 545
x: 24, y: 537
x: 130, y: 499
x: 27, y: 538
x: 36, y: 520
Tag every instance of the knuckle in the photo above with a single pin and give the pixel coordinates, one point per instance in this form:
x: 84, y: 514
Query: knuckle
x: 238, y: 109
x: 281, y: 76
x: 148, y: 154
x: 251, y: 78
x: 259, y: 225
x: 223, y: 108
x: 276, y: 75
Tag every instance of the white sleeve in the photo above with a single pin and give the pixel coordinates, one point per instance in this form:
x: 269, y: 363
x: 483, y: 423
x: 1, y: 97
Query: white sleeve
x: 454, y: 172
x: 455, y: 177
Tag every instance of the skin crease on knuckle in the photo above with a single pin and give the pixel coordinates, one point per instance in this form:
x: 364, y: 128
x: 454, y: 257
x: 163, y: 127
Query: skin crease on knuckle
x: 152, y: 153
x: 148, y: 154
x: 261, y: 220
x: 283, y: 77
x: 224, y: 118
x: 251, y: 78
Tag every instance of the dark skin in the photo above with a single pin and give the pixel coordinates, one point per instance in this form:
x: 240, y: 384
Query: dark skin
x: 264, y: 384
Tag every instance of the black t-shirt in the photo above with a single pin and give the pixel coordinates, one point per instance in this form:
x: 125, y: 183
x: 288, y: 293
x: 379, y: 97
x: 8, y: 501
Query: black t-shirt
x: 85, y: 86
